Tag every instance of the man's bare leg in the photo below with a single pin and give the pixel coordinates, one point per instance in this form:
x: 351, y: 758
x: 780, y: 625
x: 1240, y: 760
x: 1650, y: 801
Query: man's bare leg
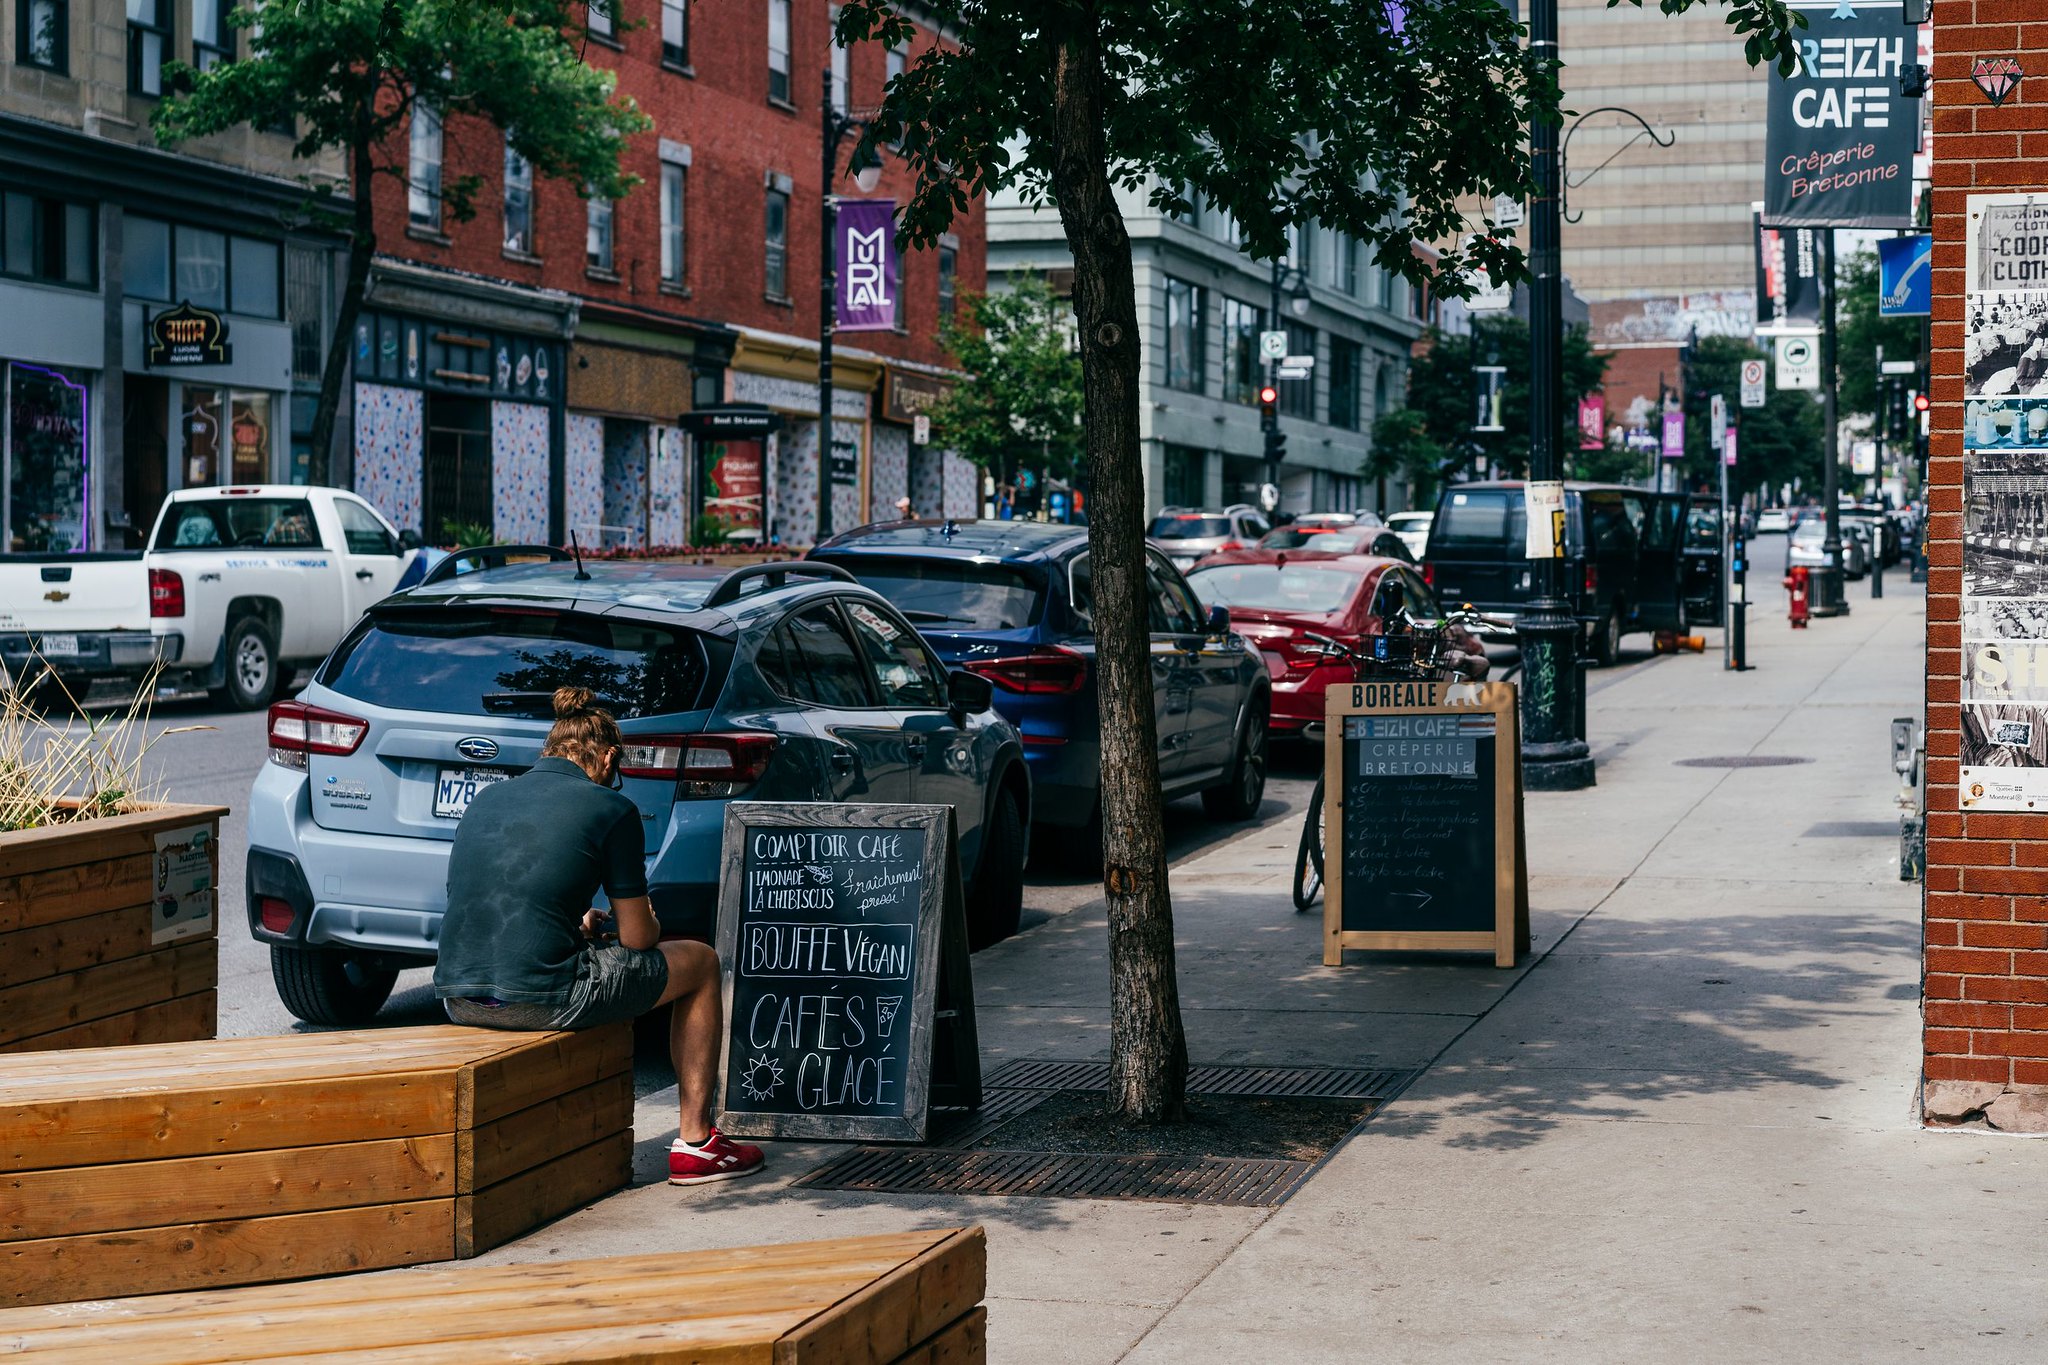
x: 693, y: 1031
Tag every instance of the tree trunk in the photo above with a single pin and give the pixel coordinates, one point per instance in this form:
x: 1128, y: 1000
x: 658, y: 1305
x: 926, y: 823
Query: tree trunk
x: 362, y: 250
x: 1148, y: 1048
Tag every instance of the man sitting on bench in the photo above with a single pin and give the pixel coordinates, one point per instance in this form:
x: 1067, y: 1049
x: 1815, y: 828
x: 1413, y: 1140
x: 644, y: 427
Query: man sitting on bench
x: 521, y: 947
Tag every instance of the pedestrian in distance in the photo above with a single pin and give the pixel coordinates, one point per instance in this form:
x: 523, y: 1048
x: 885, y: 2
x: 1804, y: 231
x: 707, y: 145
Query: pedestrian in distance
x: 522, y: 947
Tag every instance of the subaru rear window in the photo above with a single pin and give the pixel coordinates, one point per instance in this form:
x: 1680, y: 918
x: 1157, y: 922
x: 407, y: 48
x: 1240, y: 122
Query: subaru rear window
x: 499, y: 662
x: 1187, y: 526
x: 951, y: 594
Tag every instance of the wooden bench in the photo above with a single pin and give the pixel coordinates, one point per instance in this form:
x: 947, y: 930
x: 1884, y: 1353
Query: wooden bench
x: 86, y: 959
x: 909, y: 1297
x: 136, y: 1170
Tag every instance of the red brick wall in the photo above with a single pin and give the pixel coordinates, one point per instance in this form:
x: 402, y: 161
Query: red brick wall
x: 736, y: 137
x: 1986, y: 1006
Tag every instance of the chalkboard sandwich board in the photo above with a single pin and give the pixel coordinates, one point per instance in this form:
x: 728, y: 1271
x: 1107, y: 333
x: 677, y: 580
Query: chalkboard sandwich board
x: 842, y: 932
x: 1423, y: 845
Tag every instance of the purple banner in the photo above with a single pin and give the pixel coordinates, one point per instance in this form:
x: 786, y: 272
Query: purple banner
x: 1674, y: 435
x: 866, y: 242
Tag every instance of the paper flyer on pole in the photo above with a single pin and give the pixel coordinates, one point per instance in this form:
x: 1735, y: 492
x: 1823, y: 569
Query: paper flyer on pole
x: 2004, y: 748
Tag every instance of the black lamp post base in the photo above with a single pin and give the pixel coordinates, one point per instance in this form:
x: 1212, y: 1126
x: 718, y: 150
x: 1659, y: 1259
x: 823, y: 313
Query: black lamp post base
x: 1565, y: 766
x: 1826, y: 595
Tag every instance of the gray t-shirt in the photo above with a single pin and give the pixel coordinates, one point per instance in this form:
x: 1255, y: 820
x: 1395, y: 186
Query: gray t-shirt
x: 528, y: 858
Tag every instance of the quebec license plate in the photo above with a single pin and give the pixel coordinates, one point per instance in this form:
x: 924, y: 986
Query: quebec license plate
x: 59, y: 646
x: 455, y: 788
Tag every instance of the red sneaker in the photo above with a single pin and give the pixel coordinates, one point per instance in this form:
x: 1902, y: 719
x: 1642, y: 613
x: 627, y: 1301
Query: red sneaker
x: 717, y: 1158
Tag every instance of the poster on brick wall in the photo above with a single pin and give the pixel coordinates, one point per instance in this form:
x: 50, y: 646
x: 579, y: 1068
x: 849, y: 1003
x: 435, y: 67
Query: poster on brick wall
x: 2004, y: 747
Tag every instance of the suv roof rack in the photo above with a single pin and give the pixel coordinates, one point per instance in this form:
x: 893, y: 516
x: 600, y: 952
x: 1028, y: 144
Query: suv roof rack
x: 481, y: 557
x: 729, y: 588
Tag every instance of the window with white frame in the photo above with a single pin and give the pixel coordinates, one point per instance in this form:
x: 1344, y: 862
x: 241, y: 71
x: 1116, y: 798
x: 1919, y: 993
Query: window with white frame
x: 672, y: 191
x: 597, y: 234
x: 42, y: 35
x: 776, y: 259
x: 213, y: 42
x: 423, y: 168
x: 518, y: 202
x: 149, y: 45
x: 598, y: 18
x: 840, y: 100
x: 778, y: 51
x: 675, y: 32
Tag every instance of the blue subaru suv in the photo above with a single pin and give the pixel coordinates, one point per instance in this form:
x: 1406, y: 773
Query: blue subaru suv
x: 780, y: 682
x: 1013, y: 602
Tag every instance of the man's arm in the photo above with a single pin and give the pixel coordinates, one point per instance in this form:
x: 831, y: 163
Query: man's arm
x: 633, y: 917
x: 625, y: 884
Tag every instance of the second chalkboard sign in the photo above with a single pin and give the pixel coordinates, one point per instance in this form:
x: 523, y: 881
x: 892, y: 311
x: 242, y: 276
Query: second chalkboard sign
x: 836, y: 925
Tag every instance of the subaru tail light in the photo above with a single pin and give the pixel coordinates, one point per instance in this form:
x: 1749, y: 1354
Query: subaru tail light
x: 297, y: 730
x: 166, y: 593
x: 703, y: 766
x: 1046, y: 670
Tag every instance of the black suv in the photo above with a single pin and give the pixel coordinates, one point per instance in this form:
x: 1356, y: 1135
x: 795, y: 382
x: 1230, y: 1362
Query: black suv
x: 1623, y: 569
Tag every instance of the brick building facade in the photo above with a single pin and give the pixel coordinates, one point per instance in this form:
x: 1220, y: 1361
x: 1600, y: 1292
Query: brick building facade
x: 680, y: 295
x: 1986, y: 971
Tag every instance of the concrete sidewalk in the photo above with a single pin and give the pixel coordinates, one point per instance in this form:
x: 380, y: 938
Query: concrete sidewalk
x: 1684, y: 1128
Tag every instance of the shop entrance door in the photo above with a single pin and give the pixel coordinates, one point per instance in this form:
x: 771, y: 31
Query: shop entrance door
x: 457, y: 487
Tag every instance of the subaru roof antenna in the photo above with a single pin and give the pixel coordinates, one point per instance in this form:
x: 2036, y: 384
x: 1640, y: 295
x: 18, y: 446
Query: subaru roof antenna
x: 582, y: 574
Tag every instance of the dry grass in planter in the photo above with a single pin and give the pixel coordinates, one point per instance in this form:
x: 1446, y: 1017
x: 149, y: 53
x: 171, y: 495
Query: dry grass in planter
x: 89, y: 767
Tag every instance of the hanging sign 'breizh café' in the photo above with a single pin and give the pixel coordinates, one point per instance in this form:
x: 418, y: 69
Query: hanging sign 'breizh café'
x: 1840, y: 140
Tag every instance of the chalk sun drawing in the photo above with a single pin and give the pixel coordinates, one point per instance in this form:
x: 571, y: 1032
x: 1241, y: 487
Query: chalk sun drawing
x: 762, y: 1078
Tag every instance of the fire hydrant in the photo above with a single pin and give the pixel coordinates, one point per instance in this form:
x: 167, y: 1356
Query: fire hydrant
x: 1796, y: 579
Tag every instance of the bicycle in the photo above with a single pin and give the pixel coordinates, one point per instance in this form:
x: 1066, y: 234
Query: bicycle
x: 1421, y: 652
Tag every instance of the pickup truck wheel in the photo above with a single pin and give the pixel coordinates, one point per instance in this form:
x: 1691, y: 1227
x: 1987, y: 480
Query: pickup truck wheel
x: 323, y: 986
x: 1239, y: 796
x: 251, y: 666
x: 998, y: 900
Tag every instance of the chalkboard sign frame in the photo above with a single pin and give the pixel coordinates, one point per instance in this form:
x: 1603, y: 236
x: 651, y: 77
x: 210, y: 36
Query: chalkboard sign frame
x: 940, y: 951
x: 1509, y: 936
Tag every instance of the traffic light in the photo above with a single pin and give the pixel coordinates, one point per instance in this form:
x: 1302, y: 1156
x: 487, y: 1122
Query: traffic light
x: 1919, y: 402
x: 1269, y: 402
x: 1895, y: 414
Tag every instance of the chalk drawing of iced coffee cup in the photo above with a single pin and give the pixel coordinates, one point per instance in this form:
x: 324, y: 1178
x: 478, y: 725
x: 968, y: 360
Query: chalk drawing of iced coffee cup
x: 885, y: 1013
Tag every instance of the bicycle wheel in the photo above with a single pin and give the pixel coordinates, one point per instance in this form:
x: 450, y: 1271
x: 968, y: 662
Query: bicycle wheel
x: 1308, y: 858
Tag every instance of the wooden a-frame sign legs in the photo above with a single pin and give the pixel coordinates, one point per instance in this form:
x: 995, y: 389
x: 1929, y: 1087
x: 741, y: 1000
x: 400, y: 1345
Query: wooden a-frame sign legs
x: 956, y: 1043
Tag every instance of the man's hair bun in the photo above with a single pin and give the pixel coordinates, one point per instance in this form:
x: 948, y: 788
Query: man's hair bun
x: 571, y: 702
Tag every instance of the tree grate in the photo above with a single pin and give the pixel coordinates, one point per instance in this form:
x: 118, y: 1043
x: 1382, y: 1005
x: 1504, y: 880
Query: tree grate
x: 1303, y: 1082
x: 1229, y: 1181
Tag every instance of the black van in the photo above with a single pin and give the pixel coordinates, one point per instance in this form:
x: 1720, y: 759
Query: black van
x: 1623, y: 552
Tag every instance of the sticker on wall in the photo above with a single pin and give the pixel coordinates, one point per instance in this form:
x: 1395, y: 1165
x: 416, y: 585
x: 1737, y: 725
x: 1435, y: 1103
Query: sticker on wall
x: 412, y: 353
x: 524, y: 371
x: 1997, y: 77
x: 504, y: 367
x: 362, y: 341
x: 540, y: 372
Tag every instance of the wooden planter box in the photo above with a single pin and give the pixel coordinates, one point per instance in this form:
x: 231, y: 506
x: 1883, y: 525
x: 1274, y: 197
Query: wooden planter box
x: 104, y: 939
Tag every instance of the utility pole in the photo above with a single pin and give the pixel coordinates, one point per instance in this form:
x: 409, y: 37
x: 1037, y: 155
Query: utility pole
x: 1269, y: 415
x: 828, y: 306
x: 1554, y: 757
x: 1828, y: 598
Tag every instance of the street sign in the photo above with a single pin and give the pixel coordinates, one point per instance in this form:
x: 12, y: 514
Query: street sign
x: 1272, y: 345
x: 1899, y: 367
x: 1752, y: 383
x: 1296, y: 366
x: 1507, y: 211
x: 1269, y: 496
x: 1486, y: 296
x: 1905, y: 270
x: 1291, y: 372
x: 921, y: 430
x: 1728, y: 448
x: 1717, y: 421
x: 1798, y: 362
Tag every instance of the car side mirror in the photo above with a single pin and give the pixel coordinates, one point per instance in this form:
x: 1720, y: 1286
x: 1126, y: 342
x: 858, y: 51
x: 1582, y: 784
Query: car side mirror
x: 1219, y: 619
x: 969, y: 693
x: 409, y: 540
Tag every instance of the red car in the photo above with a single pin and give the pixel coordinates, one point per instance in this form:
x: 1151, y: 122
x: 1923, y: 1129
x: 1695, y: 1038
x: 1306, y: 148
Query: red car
x: 1275, y: 595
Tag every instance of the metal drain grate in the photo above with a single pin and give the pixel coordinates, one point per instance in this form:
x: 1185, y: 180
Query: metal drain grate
x: 965, y: 1127
x: 1237, y: 1182
x: 1853, y: 829
x: 1743, y: 761
x: 1309, y: 1082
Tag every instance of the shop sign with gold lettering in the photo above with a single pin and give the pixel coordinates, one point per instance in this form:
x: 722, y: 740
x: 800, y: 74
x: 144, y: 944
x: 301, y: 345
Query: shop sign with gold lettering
x: 188, y: 335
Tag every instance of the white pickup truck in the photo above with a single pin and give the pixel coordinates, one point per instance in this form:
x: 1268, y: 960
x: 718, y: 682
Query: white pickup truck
x: 238, y: 588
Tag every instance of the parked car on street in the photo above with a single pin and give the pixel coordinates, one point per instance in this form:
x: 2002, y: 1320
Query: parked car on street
x: 238, y: 588
x: 1413, y: 528
x: 1622, y: 561
x: 778, y: 682
x: 1811, y: 534
x: 1886, y: 536
x: 1314, y: 539
x: 1773, y: 521
x: 1185, y: 534
x: 1013, y: 602
x: 1275, y: 597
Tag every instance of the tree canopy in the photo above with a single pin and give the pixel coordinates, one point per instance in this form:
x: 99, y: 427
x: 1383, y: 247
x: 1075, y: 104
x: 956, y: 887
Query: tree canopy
x: 1021, y: 403
x: 1442, y: 388
x: 1861, y: 330
x: 1776, y: 444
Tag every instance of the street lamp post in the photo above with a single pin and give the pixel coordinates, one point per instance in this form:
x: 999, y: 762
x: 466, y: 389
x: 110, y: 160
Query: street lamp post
x: 1554, y: 758
x: 867, y: 169
x: 1827, y: 596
